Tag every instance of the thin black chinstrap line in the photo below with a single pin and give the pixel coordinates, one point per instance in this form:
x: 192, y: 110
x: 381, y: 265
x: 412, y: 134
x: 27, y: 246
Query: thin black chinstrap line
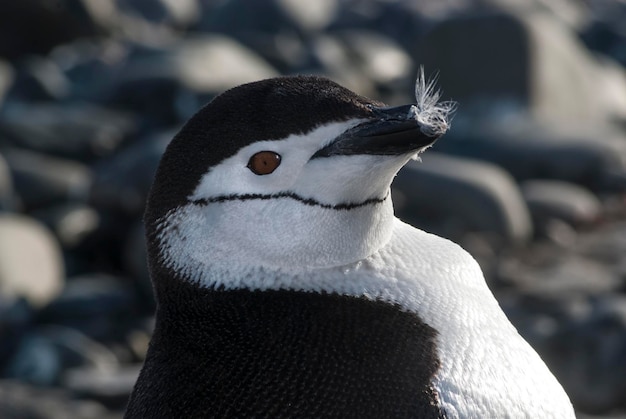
x: 307, y: 201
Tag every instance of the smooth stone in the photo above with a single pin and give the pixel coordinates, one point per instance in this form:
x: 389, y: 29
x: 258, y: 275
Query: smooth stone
x: 56, y: 23
x: 71, y: 223
x: 563, y: 275
x: 82, y: 132
x: 41, y: 180
x: 590, y: 155
x: 524, y: 57
x: 19, y: 400
x: 6, y: 186
x: 455, y: 196
x: 16, y: 317
x: 135, y: 259
x: 111, y: 388
x: 39, y: 79
x: 606, y: 244
x: 16, y: 402
x: 176, y: 13
x: 91, y: 66
x: 31, y: 265
x: 588, y: 354
x: 94, y: 305
x: 368, y: 62
x: 7, y: 78
x: 122, y: 182
x: 561, y: 200
x: 209, y: 63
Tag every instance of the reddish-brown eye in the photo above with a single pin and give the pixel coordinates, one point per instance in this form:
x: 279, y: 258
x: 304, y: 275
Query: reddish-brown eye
x: 264, y: 162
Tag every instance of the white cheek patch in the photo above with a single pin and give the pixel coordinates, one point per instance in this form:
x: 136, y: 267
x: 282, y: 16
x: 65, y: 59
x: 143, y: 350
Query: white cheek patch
x: 232, y: 177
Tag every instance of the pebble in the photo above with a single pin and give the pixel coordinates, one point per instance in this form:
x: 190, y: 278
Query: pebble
x: 30, y: 260
x: 535, y: 62
x: 41, y: 180
x: 430, y: 191
x: 6, y: 186
x: 561, y: 200
x: 82, y: 132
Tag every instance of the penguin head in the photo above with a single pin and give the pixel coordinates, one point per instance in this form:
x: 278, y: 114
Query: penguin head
x: 284, y: 172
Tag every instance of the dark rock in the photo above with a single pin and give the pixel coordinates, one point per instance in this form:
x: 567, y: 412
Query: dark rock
x: 91, y: 67
x: 36, y: 361
x: 590, y: 155
x: 564, y: 275
x: 112, y: 388
x: 6, y: 186
x: 100, y: 306
x: 78, y: 131
x: 605, y: 33
x: 564, y: 201
x: 15, y: 320
x: 71, y: 223
x: 7, y: 76
x: 57, y: 22
x: 39, y: 79
x: 122, y: 182
x: 22, y: 401
x: 525, y: 58
x: 606, y: 244
x: 582, y: 340
x: 177, y: 13
x: 41, y: 180
x: 453, y: 196
x: 164, y: 83
x: 136, y: 259
x: 369, y: 63
x: 30, y: 260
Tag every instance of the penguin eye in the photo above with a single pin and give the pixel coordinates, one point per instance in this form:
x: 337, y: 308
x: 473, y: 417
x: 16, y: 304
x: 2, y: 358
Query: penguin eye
x: 264, y: 162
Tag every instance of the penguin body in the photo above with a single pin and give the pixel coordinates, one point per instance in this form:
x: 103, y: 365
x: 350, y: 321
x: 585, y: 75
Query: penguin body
x: 287, y: 288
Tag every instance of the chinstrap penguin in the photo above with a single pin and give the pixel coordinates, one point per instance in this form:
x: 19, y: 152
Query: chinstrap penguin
x: 287, y: 288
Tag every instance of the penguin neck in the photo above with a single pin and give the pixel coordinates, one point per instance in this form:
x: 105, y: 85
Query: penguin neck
x: 226, y: 245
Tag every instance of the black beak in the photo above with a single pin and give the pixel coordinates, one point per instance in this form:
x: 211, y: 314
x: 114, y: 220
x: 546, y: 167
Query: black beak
x: 391, y: 131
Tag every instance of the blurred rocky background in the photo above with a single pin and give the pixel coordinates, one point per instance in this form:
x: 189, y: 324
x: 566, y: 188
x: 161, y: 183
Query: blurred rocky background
x: 531, y: 179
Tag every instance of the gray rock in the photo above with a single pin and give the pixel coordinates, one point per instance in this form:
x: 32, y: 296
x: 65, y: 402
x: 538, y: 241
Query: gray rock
x: 6, y: 186
x: 78, y: 131
x: 591, y: 155
x: 207, y: 63
x: 606, y: 244
x: 30, y: 260
x: 367, y: 62
x: 71, y: 223
x: 19, y: 400
x: 112, y: 388
x: 523, y: 57
x: 136, y: 258
x: 582, y: 340
x: 7, y: 76
x: 56, y: 23
x: 99, y: 306
x: 39, y: 79
x: 177, y: 13
x: 561, y: 200
x: 41, y: 180
x: 564, y: 275
x: 122, y: 182
x: 589, y: 356
x: 456, y: 196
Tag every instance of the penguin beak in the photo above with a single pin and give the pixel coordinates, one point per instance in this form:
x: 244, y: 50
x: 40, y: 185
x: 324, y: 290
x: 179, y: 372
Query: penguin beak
x: 391, y: 131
